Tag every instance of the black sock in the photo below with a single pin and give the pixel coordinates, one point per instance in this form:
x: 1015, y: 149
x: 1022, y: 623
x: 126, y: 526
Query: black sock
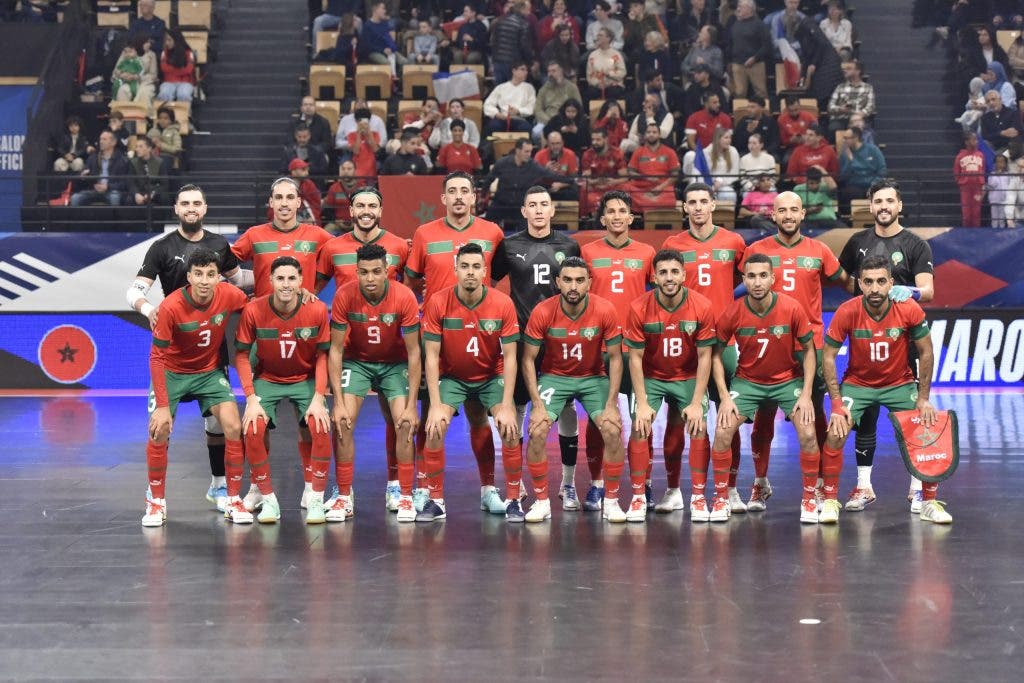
x: 216, y: 459
x: 569, y: 446
x: 864, y: 448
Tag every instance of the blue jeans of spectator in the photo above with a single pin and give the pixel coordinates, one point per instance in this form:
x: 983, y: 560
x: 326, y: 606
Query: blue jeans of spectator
x: 500, y: 124
x: 86, y: 197
x: 501, y: 72
x: 182, y: 92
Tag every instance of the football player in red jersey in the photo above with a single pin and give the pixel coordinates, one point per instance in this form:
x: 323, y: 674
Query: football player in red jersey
x: 572, y: 328
x: 766, y: 325
x: 285, y: 236
x: 337, y: 260
x: 879, y: 332
x: 185, y: 361
x: 375, y: 345
x: 670, y: 333
x: 469, y: 334
x: 290, y: 341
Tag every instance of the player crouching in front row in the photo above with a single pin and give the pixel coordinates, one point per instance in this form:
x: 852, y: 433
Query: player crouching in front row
x: 290, y: 340
x: 185, y: 360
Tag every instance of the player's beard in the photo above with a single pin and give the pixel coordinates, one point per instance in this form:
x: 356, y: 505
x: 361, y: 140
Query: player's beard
x: 358, y: 226
x: 789, y: 229
x: 191, y: 228
x: 567, y: 300
x: 892, y: 218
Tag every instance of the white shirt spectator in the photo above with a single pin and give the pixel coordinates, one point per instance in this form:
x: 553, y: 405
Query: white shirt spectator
x: 442, y: 134
x: 523, y: 97
x: 348, y: 125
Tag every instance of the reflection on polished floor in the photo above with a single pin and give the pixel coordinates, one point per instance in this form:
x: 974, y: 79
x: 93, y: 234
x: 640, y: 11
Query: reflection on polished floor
x: 86, y: 593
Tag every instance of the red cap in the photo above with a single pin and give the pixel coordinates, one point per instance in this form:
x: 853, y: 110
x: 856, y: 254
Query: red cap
x: 297, y: 163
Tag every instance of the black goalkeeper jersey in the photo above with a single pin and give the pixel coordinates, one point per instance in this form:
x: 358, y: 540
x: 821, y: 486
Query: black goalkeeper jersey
x: 531, y: 265
x: 908, y: 254
x: 167, y: 257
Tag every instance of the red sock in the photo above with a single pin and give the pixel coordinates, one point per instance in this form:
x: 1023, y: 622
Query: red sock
x: 343, y: 473
x: 320, y: 458
x: 761, y: 440
x: 734, y: 462
x: 156, y: 463
x: 700, y: 456
x: 234, y: 463
x: 390, y: 439
x: 305, y: 452
x: 259, y: 460
x: 650, y: 456
x: 595, y: 450
x: 483, y: 448
x: 433, y: 461
x: 539, y: 477
x: 831, y: 466
x: 809, y: 463
x: 406, y: 474
x: 720, y: 463
x: 929, y: 490
x: 612, y: 474
x: 421, y: 465
x: 512, y: 462
x: 675, y: 438
x: 820, y: 426
x: 639, y: 459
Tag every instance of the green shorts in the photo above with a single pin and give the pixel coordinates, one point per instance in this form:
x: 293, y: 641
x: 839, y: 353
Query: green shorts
x: 390, y: 379
x: 729, y: 357
x: 679, y: 394
x: 626, y: 384
x: 556, y: 391
x: 489, y: 392
x: 749, y: 396
x: 272, y: 393
x: 209, y: 388
x: 857, y: 399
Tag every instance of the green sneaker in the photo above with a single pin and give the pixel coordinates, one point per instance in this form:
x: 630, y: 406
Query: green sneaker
x: 316, y: 513
x: 270, y: 511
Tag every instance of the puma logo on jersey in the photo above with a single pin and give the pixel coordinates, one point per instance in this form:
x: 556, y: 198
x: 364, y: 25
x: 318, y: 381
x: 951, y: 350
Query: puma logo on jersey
x: 789, y: 262
x: 763, y: 330
x: 704, y: 257
x: 522, y: 256
x: 286, y: 333
x: 180, y: 258
x: 863, y: 252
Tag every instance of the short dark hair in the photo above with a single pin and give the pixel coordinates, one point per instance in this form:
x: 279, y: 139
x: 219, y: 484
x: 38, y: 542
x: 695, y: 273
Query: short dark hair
x: 758, y: 258
x: 522, y: 142
x: 519, y: 64
x: 300, y: 127
x: 285, y: 261
x: 469, y: 248
x: 698, y: 187
x: 614, y: 194
x: 536, y: 189
x: 190, y: 187
x: 574, y: 262
x: 857, y: 133
x: 203, y: 257
x: 758, y: 100
x: 371, y: 252
x: 143, y: 138
x: 168, y: 111
x: 457, y: 123
x: 814, y: 173
x: 667, y: 255
x: 409, y: 133
x: 366, y: 189
x: 284, y: 179
x: 603, y: 5
x: 814, y: 128
x: 430, y: 98
x: 454, y: 175
x: 885, y: 184
x: 875, y: 262
x: 456, y: 99
x: 792, y: 99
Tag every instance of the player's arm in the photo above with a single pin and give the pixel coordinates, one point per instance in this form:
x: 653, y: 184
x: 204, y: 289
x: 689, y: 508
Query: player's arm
x: 335, y: 360
x: 136, y: 296
x: 160, y: 420
x: 726, y: 408
x: 317, y: 412
x: 437, y: 418
x: 241, y: 278
x: 694, y: 413
x: 412, y: 350
x: 505, y: 416
x: 611, y: 405
x: 810, y: 362
x: 925, y: 366
x: 643, y: 415
x: 839, y: 420
x: 540, y: 421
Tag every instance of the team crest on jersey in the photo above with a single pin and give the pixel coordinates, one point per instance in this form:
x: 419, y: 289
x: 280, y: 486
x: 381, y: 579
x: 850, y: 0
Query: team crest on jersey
x: 689, y: 327
x: 217, y: 319
x: 388, y: 318
x: 588, y: 332
x: 893, y: 332
x: 897, y: 258
x: 634, y: 263
x: 805, y: 262
x: 489, y: 326
x: 778, y: 330
x: 304, y: 333
x: 559, y: 257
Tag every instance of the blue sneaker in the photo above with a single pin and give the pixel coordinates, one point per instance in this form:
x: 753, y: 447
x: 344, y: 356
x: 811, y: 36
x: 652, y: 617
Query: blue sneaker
x: 391, y: 495
x: 420, y: 498
x: 649, y: 495
x: 218, y: 495
x: 491, y: 502
x: 594, y: 500
x: 569, y: 499
x: 513, y: 511
x: 432, y: 511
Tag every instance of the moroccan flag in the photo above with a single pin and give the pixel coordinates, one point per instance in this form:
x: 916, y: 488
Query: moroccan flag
x: 409, y: 201
x: 930, y: 453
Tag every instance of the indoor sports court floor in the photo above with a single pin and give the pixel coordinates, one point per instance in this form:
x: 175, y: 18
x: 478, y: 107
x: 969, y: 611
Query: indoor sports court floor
x: 87, y: 594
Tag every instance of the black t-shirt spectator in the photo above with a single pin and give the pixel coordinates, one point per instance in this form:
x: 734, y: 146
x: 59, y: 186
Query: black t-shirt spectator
x: 400, y: 164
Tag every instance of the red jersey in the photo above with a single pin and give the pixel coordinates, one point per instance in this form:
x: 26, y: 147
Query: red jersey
x: 365, y: 159
x: 471, y: 337
x: 337, y: 259
x: 620, y: 274
x: 434, y: 245
x: 653, y: 164
x: 188, y: 337
x: 766, y: 341
x: 567, y: 164
x: 878, y: 348
x: 710, y: 264
x: 704, y: 123
x: 572, y: 347
x: 805, y: 156
x: 790, y: 127
x: 670, y: 337
x: 261, y: 244
x: 376, y: 331
x: 605, y: 165
x: 286, y: 346
x: 461, y: 157
x: 798, y: 272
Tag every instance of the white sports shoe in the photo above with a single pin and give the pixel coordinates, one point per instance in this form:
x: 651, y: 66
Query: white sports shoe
x: 759, y: 495
x: 637, y: 511
x: 406, y: 510
x: 254, y: 498
x: 304, y: 501
x: 859, y: 499
x: 699, y: 509
x: 337, y: 511
x: 539, y: 511
x: 612, y: 512
x: 156, y: 513
x: 236, y: 512
x: 808, y: 511
x: 720, y: 511
x: 916, y: 502
x: 736, y: 503
x: 829, y: 511
x: 933, y: 511
x: 671, y: 501
x: 570, y: 501
x: 391, y: 495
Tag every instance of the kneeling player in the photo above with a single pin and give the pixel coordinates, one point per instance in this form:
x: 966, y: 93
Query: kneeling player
x: 185, y: 361
x: 571, y: 328
x: 767, y: 326
x: 878, y: 374
x: 670, y: 334
x: 469, y: 334
x: 374, y: 344
x: 291, y: 341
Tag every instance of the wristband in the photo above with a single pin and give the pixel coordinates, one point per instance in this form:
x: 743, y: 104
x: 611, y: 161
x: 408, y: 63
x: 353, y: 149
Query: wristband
x: 915, y: 293
x: 839, y: 407
x: 146, y: 308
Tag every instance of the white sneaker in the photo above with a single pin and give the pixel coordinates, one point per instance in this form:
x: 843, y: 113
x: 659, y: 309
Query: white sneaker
x: 916, y: 502
x: 933, y: 511
x: 819, y: 497
x: 337, y: 511
x: 671, y: 501
x: 637, y: 511
x: 759, y: 495
x: 612, y: 512
x: 490, y: 501
x: 254, y: 498
x: 720, y: 511
x: 539, y: 511
x: 570, y: 501
x: 736, y: 503
x: 698, y: 509
x: 829, y: 511
x: 236, y: 512
x: 391, y: 495
x: 406, y: 509
x: 306, y: 493
x: 420, y: 498
x: 156, y: 513
x: 808, y: 511
x: 860, y: 498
